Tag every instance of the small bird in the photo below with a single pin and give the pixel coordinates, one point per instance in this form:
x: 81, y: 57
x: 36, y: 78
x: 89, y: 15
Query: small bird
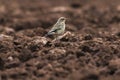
x: 58, y: 28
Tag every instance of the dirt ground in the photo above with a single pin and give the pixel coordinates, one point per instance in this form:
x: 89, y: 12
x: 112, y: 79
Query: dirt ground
x: 90, y: 52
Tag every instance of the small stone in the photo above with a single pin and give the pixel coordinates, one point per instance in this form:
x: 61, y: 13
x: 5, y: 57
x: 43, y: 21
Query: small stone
x: 5, y: 37
x: 9, y: 30
x: 10, y: 58
x: 57, y: 51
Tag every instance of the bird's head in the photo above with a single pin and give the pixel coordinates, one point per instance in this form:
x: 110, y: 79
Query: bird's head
x: 61, y: 20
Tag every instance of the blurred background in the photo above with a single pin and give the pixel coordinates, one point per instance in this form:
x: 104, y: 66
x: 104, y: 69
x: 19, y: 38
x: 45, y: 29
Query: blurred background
x: 84, y: 16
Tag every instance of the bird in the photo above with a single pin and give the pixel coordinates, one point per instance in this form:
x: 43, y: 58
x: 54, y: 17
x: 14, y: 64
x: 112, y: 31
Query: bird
x: 58, y: 28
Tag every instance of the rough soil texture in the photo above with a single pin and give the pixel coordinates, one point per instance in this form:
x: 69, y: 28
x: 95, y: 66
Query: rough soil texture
x: 90, y: 52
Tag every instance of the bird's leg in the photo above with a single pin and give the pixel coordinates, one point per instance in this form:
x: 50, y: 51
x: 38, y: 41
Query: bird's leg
x: 55, y: 38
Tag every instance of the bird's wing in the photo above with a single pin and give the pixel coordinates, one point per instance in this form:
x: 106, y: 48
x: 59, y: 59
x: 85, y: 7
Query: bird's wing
x: 55, y: 28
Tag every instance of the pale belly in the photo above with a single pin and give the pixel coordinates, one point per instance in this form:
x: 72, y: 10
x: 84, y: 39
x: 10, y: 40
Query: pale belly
x: 62, y: 30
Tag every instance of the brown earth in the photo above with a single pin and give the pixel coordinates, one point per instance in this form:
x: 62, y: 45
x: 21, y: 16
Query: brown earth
x: 90, y: 52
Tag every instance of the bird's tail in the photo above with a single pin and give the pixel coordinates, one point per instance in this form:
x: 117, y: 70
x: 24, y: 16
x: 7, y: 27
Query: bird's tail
x: 49, y: 33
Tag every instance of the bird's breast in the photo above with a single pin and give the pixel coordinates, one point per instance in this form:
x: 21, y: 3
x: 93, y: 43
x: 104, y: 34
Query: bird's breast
x: 62, y: 29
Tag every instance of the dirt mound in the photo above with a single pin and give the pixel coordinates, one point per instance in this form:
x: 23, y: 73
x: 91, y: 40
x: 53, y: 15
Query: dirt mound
x: 90, y: 52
